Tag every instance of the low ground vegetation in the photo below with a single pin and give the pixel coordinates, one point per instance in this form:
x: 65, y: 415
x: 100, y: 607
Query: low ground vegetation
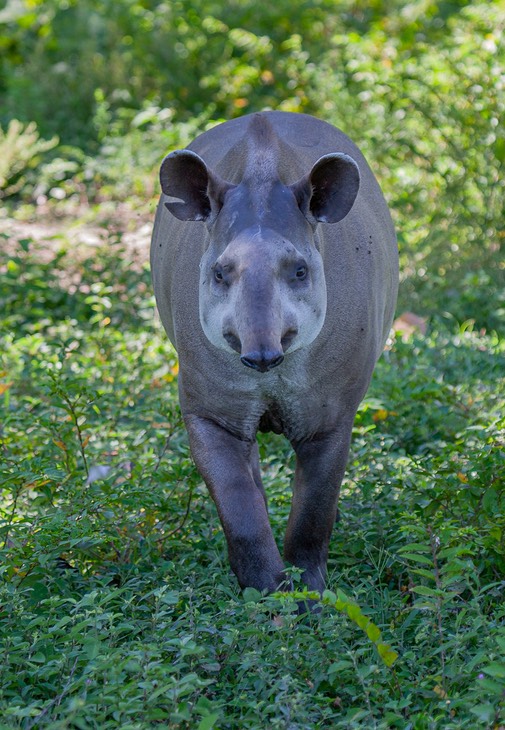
x: 117, y: 604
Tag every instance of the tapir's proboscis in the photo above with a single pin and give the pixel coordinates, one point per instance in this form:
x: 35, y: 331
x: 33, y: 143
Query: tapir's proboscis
x: 275, y: 270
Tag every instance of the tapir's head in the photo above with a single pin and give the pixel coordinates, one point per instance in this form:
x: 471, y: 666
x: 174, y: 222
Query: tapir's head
x: 262, y: 285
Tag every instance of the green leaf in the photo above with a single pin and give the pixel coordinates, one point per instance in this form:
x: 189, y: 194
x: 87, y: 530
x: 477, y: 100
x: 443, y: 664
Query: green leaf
x: 170, y: 597
x: 484, y: 711
x: 373, y: 632
x: 92, y: 647
x: 454, y: 552
x: 363, y: 621
x: 425, y: 591
x: 208, y: 722
x: 414, y: 546
x: 387, y: 654
x: 339, y: 666
x: 429, y: 575
x: 251, y: 595
x: 495, y: 669
x: 494, y: 686
x: 415, y: 558
x: 499, y: 149
x: 329, y: 596
x: 354, y: 612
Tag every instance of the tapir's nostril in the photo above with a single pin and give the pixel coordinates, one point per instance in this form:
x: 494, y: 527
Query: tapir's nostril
x: 233, y: 341
x: 276, y: 361
x: 262, y: 361
x: 288, y: 338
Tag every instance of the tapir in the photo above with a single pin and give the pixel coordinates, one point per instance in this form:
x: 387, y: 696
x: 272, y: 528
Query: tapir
x: 275, y: 270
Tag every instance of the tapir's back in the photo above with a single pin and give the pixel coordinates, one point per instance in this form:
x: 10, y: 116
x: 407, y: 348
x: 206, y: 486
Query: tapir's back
x: 303, y: 138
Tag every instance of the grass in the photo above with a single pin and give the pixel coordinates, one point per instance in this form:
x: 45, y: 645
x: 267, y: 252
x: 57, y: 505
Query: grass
x: 117, y: 606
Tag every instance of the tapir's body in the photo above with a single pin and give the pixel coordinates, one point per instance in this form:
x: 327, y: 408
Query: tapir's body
x: 276, y: 280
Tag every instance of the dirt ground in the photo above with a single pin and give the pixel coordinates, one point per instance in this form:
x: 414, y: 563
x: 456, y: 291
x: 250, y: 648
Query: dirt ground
x: 79, y: 230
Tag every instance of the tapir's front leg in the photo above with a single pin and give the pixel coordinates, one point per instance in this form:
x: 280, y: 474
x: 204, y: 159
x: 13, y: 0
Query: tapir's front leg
x: 320, y: 466
x: 229, y: 468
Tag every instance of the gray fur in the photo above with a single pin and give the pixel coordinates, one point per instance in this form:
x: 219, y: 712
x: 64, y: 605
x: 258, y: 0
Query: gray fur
x: 272, y: 181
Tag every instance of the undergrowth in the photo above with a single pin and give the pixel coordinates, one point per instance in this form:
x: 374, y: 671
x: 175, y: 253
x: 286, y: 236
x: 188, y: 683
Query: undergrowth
x: 117, y: 606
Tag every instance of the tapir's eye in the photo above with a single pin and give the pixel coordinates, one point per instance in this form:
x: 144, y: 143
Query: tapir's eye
x: 218, y: 275
x: 301, y: 273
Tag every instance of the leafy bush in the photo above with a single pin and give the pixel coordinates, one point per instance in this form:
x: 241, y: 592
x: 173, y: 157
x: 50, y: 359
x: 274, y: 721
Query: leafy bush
x: 21, y: 149
x: 115, y: 597
x: 426, y: 109
x: 419, y: 86
x: 165, y: 53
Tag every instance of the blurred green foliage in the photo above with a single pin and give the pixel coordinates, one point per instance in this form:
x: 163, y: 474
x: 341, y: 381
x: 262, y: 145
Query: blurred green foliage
x: 420, y: 86
x: 20, y: 149
x: 64, y: 56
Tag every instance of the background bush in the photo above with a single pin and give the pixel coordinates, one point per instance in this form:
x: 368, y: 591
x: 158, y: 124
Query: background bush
x: 420, y: 86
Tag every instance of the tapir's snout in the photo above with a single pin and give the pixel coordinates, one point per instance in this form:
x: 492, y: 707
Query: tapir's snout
x: 261, y: 352
x: 262, y: 360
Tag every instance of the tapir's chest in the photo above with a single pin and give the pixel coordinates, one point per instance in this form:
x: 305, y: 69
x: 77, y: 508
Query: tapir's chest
x: 298, y: 399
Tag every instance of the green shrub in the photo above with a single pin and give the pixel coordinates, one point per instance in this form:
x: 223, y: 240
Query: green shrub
x: 116, y: 600
x: 419, y: 87
x: 423, y: 93
x: 21, y: 150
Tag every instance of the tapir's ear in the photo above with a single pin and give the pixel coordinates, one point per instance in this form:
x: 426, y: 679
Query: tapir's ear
x: 200, y: 192
x: 328, y: 192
